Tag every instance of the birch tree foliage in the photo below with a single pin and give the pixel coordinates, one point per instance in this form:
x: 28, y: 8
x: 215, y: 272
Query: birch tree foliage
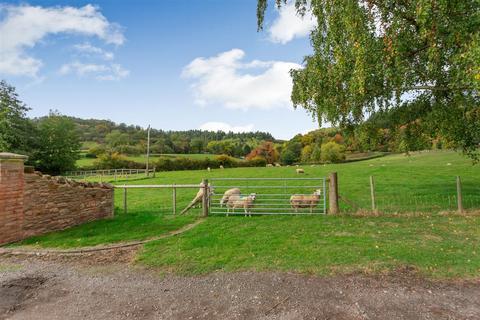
x: 371, y: 55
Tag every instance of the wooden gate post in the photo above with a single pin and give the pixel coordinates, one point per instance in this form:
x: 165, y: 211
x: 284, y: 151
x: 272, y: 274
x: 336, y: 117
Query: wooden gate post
x: 459, y: 195
x: 124, y: 199
x: 205, y: 197
x: 333, y: 194
x: 174, y: 200
x: 372, y: 194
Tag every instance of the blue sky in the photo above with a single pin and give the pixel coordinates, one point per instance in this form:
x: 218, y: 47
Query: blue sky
x: 174, y: 64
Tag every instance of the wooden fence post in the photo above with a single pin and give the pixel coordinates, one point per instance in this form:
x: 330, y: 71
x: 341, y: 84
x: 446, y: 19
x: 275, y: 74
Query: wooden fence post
x: 205, y: 197
x: 333, y: 194
x: 125, y: 200
x: 174, y: 199
x: 459, y: 195
x: 372, y: 194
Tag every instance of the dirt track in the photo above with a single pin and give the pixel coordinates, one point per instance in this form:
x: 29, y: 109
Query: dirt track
x: 82, y: 288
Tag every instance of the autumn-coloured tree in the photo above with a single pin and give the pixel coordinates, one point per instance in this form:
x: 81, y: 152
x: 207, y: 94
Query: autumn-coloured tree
x: 265, y: 150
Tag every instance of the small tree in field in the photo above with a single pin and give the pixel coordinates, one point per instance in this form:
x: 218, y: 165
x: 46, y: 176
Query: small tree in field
x: 58, y: 144
x: 332, y: 152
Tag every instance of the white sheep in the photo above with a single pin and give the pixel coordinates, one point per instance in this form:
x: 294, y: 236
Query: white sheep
x: 237, y: 201
x: 305, y: 200
x: 208, y: 169
x: 221, y: 167
x: 198, y: 198
x: 228, y: 194
x: 299, y: 170
x: 278, y: 164
x: 269, y: 165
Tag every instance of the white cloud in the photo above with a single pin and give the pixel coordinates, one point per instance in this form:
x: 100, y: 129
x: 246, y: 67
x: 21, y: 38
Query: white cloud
x: 98, y: 71
x: 222, y: 126
x: 289, y: 25
x: 88, y: 49
x: 226, y: 80
x: 23, y: 26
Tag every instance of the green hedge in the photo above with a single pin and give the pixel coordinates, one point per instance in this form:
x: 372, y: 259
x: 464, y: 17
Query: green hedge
x: 175, y: 164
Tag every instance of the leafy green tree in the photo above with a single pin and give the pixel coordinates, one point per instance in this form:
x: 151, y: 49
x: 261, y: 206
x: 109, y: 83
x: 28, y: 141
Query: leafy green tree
x: 116, y: 139
x: 288, y: 157
x: 246, y: 149
x: 374, y: 55
x: 306, y: 153
x: 316, y: 153
x: 58, y: 144
x: 332, y: 152
x: 16, y: 131
x: 196, y: 145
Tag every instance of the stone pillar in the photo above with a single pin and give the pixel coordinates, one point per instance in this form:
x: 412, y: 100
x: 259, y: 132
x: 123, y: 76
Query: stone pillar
x: 11, y: 196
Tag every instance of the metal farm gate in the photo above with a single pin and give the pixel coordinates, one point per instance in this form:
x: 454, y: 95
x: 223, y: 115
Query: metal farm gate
x: 271, y: 195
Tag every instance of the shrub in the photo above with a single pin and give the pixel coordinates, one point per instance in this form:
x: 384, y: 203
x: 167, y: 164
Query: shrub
x: 288, y: 156
x: 115, y: 160
x: 332, y: 152
x: 226, y: 161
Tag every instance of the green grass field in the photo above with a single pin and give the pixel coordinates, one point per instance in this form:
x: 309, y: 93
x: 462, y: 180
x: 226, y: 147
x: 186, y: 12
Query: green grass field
x: 438, y: 245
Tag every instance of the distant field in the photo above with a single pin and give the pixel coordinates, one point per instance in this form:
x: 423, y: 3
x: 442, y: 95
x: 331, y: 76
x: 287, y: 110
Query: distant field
x: 83, y: 162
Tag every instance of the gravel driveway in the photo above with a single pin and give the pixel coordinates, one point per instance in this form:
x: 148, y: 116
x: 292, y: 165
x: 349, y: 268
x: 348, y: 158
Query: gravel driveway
x: 82, y: 288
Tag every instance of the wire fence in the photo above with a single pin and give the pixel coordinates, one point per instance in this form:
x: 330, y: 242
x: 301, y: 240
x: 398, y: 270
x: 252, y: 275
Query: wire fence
x: 389, y: 196
x: 273, y: 196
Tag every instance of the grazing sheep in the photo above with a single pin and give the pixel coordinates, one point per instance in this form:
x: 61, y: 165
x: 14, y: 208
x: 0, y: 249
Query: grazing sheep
x: 208, y: 169
x: 237, y: 201
x: 221, y: 167
x: 300, y: 170
x: 305, y: 200
x: 278, y: 164
x: 269, y: 165
x: 229, y: 193
x: 198, y: 198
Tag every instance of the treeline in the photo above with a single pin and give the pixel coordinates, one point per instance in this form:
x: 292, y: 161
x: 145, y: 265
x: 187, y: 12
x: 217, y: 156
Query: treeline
x: 397, y: 130
x: 115, y: 160
x: 53, y: 143
x: 100, y: 136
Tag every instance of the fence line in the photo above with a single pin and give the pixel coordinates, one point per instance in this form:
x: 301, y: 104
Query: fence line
x: 371, y: 195
x: 174, y: 188
x: 115, y: 173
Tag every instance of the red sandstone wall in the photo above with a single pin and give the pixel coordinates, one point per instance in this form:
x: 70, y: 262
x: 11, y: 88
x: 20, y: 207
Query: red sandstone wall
x: 11, y: 200
x: 32, y: 203
x: 55, y: 203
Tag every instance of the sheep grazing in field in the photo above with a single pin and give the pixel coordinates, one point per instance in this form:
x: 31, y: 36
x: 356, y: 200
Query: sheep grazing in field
x: 305, y: 200
x: 278, y: 164
x: 300, y: 170
x: 237, y: 201
x: 198, y: 198
x: 229, y: 193
x: 221, y: 167
x: 269, y: 165
x: 208, y: 169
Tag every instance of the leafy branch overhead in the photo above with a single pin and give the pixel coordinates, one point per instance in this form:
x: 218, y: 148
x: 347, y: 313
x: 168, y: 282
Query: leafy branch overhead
x: 374, y: 55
